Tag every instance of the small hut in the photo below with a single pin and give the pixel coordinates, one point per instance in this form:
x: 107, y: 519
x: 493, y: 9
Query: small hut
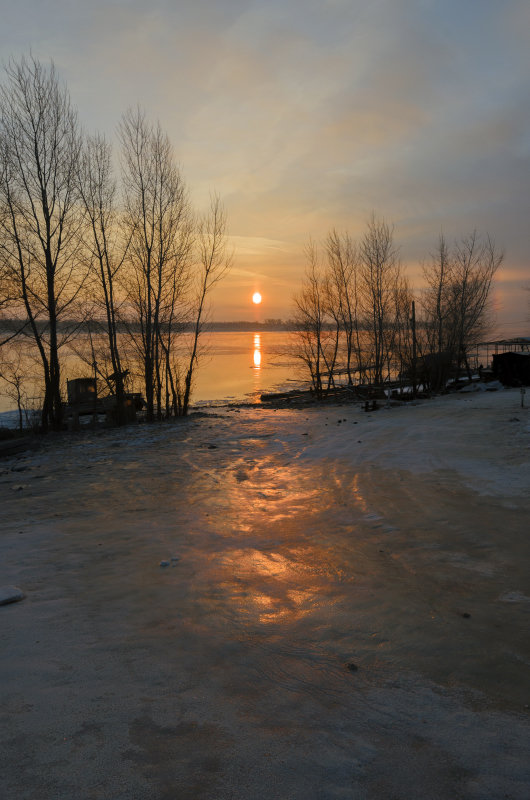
x: 512, y: 369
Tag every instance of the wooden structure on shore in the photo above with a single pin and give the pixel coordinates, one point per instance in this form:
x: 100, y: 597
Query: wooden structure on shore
x: 507, y: 360
x: 83, y: 400
x: 486, y: 350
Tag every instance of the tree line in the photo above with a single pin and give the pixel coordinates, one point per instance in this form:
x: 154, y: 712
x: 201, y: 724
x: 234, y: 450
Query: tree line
x: 85, y: 243
x: 359, y: 321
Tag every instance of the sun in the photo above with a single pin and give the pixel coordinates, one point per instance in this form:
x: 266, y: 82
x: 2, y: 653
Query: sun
x: 256, y: 298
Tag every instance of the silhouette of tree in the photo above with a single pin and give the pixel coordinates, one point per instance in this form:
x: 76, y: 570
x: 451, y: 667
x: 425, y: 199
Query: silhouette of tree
x: 106, y: 250
x: 157, y: 222
x: 41, y: 219
x: 213, y: 262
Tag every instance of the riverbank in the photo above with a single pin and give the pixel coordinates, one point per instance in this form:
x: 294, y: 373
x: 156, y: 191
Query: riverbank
x: 261, y: 603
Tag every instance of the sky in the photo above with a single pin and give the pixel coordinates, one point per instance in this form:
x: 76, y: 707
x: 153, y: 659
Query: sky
x: 308, y: 115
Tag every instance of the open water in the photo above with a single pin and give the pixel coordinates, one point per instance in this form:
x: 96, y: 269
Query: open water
x: 243, y: 365
x: 233, y: 366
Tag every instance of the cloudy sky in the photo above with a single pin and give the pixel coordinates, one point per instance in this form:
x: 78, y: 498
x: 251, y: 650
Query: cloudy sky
x: 310, y: 114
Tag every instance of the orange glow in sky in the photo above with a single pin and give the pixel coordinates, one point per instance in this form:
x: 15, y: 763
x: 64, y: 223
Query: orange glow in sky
x: 297, y: 131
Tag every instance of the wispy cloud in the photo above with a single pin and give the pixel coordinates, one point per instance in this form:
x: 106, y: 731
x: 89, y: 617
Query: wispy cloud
x: 306, y: 114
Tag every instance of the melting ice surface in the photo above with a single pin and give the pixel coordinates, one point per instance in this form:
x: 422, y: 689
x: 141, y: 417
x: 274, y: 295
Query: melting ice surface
x: 347, y: 616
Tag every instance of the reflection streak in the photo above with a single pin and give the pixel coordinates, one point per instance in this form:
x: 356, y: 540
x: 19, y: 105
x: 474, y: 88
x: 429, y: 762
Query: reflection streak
x: 257, y: 351
x: 278, y: 587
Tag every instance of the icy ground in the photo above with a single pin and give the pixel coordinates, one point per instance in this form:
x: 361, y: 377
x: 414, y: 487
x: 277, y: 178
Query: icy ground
x: 343, y: 610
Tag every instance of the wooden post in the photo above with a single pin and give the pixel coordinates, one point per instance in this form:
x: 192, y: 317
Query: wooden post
x: 413, y: 327
x: 94, y: 415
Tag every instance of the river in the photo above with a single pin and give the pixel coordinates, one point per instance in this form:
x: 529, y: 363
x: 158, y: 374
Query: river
x: 233, y: 366
x: 242, y: 365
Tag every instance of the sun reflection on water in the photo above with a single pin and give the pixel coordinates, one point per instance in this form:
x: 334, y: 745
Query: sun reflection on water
x: 257, y: 351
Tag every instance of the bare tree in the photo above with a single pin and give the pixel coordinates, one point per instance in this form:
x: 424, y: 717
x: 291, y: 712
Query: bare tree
x: 475, y: 263
x: 213, y: 263
x: 156, y: 220
x: 106, y: 251
x: 7, y: 297
x: 6, y: 287
x: 40, y: 226
x: 353, y: 312
x: 13, y: 374
x: 343, y: 299
x: 311, y: 316
x: 438, y: 276
x: 438, y: 317
x: 403, y: 342
x: 379, y: 286
x: 456, y: 302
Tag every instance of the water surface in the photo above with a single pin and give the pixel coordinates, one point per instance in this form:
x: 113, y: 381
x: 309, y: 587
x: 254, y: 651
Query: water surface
x: 236, y: 365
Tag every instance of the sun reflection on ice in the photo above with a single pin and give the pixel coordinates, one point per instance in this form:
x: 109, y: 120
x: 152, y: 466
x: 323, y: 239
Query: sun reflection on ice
x: 278, y: 588
x: 357, y: 494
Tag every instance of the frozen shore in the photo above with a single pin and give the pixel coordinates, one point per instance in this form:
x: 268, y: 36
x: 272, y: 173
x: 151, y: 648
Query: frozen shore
x: 258, y: 604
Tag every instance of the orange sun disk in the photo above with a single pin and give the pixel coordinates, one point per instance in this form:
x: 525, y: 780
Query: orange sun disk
x: 256, y: 298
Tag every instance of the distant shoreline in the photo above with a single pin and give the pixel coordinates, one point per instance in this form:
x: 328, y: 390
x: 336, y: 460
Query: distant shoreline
x: 11, y: 325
